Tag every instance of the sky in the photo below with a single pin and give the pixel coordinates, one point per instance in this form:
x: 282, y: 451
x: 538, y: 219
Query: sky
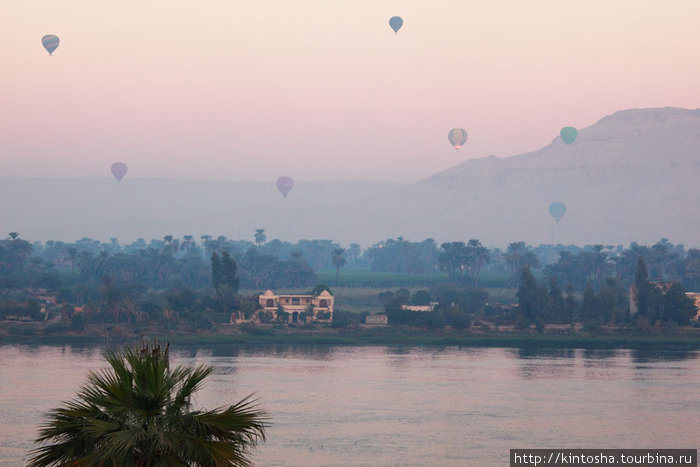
x: 324, y: 89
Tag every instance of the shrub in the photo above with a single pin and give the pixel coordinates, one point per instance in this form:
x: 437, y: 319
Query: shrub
x: 78, y: 321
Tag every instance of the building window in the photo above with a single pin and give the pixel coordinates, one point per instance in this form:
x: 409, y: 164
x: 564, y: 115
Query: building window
x: 323, y: 303
x: 270, y: 303
x: 295, y: 301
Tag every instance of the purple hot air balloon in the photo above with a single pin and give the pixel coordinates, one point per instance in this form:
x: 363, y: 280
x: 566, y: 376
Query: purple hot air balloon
x: 285, y: 185
x: 119, y: 169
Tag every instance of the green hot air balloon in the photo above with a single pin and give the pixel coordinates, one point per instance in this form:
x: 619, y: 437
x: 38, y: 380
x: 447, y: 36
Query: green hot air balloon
x: 557, y: 209
x: 50, y: 43
x: 396, y: 22
x: 457, y: 137
x: 568, y: 134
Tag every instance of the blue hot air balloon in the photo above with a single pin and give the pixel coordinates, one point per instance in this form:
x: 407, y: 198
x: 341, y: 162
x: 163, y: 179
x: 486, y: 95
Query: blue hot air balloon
x: 557, y: 210
x: 395, y: 22
x: 50, y: 43
x: 568, y: 134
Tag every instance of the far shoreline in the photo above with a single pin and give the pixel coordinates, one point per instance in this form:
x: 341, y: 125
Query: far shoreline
x: 365, y: 336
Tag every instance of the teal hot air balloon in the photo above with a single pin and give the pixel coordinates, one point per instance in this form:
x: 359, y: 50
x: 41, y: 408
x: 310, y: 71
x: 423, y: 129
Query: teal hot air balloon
x: 50, y: 43
x: 396, y: 22
x: 557, y: 209
x: 457, y: 137
x: 568, y: 134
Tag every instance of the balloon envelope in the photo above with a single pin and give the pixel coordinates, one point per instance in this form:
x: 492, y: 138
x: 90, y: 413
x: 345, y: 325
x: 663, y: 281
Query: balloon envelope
x: 285, y: 185
x: 50, y: 43
x: 568, y: 134
x: 119, y: 169
x: 457, y: 137
x: 557, y: 210
x: 395, y: 22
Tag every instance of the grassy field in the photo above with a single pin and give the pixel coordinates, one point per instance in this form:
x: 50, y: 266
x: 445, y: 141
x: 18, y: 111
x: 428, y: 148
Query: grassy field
x: 364, y: 278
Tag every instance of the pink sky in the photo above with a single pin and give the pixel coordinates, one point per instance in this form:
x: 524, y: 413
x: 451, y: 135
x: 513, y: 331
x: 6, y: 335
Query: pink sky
x: 251, y: 90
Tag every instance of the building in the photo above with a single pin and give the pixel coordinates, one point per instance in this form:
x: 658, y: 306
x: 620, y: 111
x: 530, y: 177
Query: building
x: 377, y: 320
x: 423, y: 308
x: 314, y: 307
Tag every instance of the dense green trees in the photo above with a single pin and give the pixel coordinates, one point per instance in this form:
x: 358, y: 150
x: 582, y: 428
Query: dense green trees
x: 463, y: 262
x: 143, y: 281
x: 453, y: 306
x: 224, y: 275
x: 660, y: 302
x: 140, y: 412
x: 656, y: 303
x: 14, y: 254
x: 530, y: 304
x: 400, y: 255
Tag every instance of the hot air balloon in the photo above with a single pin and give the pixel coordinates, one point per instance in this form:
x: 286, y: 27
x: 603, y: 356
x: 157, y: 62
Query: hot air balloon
x: 568, y: 134
x: 457, y: 137
x: 557, y: 210
x: 285, y: 185
x: 395, y: 22
x: 119, y: 169
x: 50, y: 43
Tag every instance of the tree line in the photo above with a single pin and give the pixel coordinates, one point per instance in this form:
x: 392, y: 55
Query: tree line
x: 127, y: 282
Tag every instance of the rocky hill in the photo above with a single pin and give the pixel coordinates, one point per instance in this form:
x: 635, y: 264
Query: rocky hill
x: 632, y: 176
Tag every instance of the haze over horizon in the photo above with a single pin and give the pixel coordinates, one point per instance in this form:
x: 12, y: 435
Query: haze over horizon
x: 324, y: 91
x: 630, y: 177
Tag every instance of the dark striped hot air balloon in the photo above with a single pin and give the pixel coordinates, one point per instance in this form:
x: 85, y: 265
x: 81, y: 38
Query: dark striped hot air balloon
x: 50, y: 43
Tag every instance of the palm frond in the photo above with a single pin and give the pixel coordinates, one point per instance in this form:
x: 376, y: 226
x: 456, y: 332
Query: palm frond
x: 138, y: 412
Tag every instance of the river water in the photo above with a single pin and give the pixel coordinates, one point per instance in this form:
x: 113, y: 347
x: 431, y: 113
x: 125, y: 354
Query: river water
x: 376, y: 406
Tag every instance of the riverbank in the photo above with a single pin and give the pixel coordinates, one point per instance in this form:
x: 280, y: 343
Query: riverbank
x: 685, y: 339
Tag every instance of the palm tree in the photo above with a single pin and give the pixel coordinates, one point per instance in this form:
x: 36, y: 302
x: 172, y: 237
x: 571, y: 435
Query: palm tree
x: 72, y: 252
x: 169, y: 240
x: 139, y: 413
x: 260, y: 236
x: 338, y: 260
x: 480, y: 255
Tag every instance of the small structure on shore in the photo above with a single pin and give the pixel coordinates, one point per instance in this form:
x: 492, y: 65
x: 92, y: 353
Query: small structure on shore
x: 380, y: 319
x: 421, y: 308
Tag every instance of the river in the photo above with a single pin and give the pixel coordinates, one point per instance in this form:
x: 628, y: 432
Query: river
x: 377, y: 406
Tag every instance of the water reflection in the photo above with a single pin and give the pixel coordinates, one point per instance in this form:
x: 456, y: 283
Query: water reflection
x: 544, y: 363
x: 647, y: 356
x: 545, y: 353
x: 400, y: 405
x: 597, y: 356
